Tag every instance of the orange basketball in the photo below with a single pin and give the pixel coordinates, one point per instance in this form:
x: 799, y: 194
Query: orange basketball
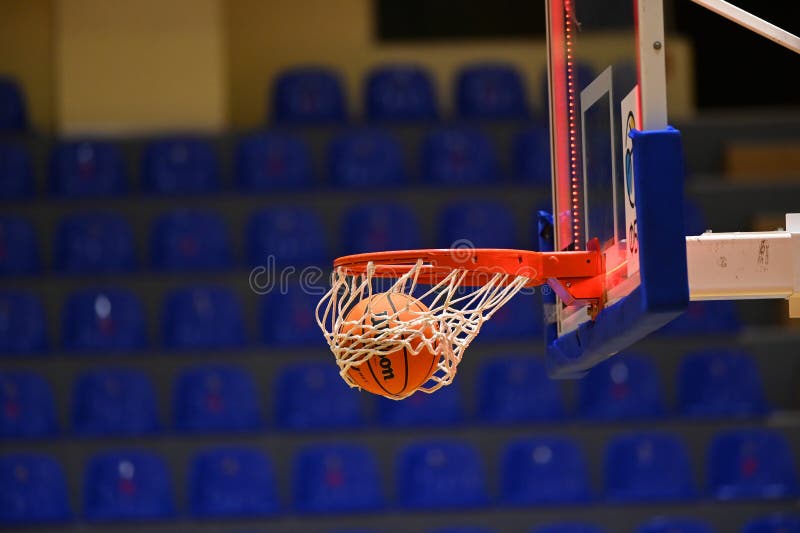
x: 400, y: 372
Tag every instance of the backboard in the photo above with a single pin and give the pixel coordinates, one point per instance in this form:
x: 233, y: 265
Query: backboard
x: 606, y: 80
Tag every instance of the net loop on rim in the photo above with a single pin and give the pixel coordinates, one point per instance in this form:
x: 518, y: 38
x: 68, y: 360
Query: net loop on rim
x: 456, y: 308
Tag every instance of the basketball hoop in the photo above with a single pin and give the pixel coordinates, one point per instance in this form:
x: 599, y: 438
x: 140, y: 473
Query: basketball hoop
x: 448, y: 295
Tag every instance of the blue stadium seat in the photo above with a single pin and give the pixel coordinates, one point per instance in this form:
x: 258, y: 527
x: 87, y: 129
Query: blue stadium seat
x: 232, y: 482
x: 314, y: 396
x: 336, y: 479
x: 674, y: 525
x: 366, y: 157
x: 519, y: 318
x: 16, y: 172
x: 531, y: 156
x: 720, y: 383
x: 180, y: 165
x: 32, y: 490
x: 568, y: 527
x: 516, y: 389
x: 400, y: 93
x: 272, y: 161
x: 308, y: 95
x: 491, y: 91
x: 13, y: 111
x: 190, y: 240
x: 459, y: 156
x: 19, y: 247
x: 216, y: 398
x: 751, y: 464
x: 477, y: 224
x: 442, y: 408
x: 288, y: 317
x: 99, y: 320
x: 127, y: 486
x: 377, y: 227
x: 28, y: 410
x: 544, y: 471
x: 22, y: 324
x: 626, y: 387
x: 87, y: 169
x: 115, y: 401
x: 777, y: 523
x: 643, y: 467
x: 291, y: 236
x: 440, y: 474
x: 94, y: 243
x: 711, y: 317
x: 202, y: 317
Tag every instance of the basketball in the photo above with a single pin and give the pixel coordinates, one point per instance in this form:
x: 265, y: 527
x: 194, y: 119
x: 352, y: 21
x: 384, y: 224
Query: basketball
x: 400, y: 372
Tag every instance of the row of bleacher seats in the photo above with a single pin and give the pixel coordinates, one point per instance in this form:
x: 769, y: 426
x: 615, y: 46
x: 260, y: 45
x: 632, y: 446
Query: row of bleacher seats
x: 211, y: 317
x: 198, y: 240
x: 654, y: 466
x: 510, y: 390
x: 275, y: 160
x: 392, y: 93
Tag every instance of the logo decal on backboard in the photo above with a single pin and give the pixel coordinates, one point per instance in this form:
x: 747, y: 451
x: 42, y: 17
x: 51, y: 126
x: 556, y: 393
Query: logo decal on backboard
x: 629, y: 110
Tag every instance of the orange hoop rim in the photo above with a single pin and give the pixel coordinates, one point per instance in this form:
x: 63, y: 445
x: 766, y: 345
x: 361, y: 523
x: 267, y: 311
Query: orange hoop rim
x: 479, y: 265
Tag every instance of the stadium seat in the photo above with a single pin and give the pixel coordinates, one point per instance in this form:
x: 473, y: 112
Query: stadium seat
x: 491, y: 91
x: 202, y: 317
x: 314, y: 396
x: 32, y: 490
x: 442, y: 408
x: 180, y: 165
x: 189, y: 240
x: 366, y: 157
x: 400, y: 93
x: 28, y: 410
x: 115, y: 401
x: 377, y: 227
x: 477, y: 224
x: 288, y: 317
x: 516, y: 389
x: 674, y: 525
x: 626, y: 387
x: 272, y: 161
x: 777, y: 523
x: 94, y: 243
x: 16, y: 172
x: 19, y: 247
x: 216, y: 398
x: 103, y: 320
x: 751, y: 464
x: 309, y: 95
x: 232, y: 482
x: 647, y: 467
x: 289, y: 236
x: 336, y: 479
x: 13, y: 110
x: 438, y: 475
x: 710, y: 317
x: 22, y: 324
x: 531, y: 156
x: 568, y: 527
x: 544, y: 471
x: 520, y: 318
x: 87, y: 169
x: 127, y: 486
x: 459, y: 156
x: 720, y: 383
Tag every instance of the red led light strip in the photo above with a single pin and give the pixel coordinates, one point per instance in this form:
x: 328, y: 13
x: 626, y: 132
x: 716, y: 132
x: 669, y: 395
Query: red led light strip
x: 569, y: 17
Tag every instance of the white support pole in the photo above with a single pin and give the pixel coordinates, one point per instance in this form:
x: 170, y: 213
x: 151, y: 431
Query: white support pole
x: 753, y: 23
x: 652, y: 64
x: 747, y: 265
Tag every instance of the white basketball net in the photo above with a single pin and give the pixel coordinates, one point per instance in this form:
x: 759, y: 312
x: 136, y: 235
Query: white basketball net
x: 454, y: 317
